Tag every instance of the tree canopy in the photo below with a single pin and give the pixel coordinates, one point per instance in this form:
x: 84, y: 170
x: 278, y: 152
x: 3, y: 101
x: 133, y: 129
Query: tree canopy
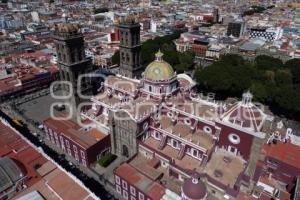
x: 272, y: 82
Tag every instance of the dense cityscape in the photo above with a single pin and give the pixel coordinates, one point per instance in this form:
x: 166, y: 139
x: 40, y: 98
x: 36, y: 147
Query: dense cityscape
x: 150, y: 99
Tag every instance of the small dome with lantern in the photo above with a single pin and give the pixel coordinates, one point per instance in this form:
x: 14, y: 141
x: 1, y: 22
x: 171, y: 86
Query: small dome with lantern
x: 245, y: 114
x: 193, y: 188
x: 159, y: 70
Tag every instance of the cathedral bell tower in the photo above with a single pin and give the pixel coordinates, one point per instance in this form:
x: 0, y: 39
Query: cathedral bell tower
x: 130, y: 47
x: 72, y: 63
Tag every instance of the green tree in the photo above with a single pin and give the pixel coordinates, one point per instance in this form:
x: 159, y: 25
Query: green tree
x: 283, y: 77
x: 271, y: 82
x: 294, y: 66
x: 229, y: 76
x: 259, y: 91
x: 116, y: 58
x: 267, y: 63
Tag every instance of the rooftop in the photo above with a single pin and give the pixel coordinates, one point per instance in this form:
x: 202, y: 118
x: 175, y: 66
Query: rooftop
x: 187, y: 162
x: 74, y: 132
x: 121, y: 83
x: 56, y: 184
x: 225, y: 167
x: 183, y: 130
x: 284, y: 152
x: 48, y: 179
x: 10, y: 173
x: 151, y: 188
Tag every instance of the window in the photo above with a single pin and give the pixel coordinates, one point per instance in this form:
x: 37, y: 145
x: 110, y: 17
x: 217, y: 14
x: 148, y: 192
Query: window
x: 67, y: 144
x: 62, y: 143
x: 132, y: 198
x: 170, y: 114
x: 74, y: 148
x: 145, y: 126
x: 83, y: 162
x: 187, y: 121
x: 56, y: 138
x: 69, y: 151
x: 125, y: 194
x: 234, y: 138
x: 118, y: 189
x: 124, y: 185
x: 141, y: 196
x: 157, y: 135
x: 82, y: 154
x: 117, y: 180
x: 51, y: 137
x: 175, y: 144
x: 195, y: 153
x: 207, y: 129
x: 132, y: 190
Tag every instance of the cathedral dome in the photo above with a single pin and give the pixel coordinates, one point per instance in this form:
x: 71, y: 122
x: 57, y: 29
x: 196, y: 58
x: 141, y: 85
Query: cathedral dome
x: 245, y: 114
x: 194, y: 188
x: 159, y: 69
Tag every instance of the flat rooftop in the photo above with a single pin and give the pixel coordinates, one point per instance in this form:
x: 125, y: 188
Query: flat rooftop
x: 121, y: 83
x: 199, y: 109
x: 198, y: 137
x: 224, y: 167
x: 56, y: 185
x: 187, y: 162
x: 142, y: 164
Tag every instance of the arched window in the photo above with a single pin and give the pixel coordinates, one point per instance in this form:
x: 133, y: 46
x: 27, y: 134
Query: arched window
x: 125, y: 151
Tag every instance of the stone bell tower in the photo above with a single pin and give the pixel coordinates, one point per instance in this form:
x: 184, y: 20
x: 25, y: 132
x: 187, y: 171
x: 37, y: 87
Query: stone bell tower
x: 130, y: 46
x: 72, y: 62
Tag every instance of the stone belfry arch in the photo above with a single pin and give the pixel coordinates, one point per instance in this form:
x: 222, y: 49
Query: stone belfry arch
x: 72, y: 62
x: 130, y: 46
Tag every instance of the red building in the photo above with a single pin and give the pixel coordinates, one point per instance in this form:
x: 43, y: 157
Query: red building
x: 24, y: 79
x: 282, y: 160
x: 85, y: 146
x: 18, y: 161
x: 199, y: 49
x: 133, y: 185
x: 26, y: 174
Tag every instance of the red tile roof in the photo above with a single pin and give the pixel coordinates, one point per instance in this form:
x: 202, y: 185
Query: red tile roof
x: 284, y: 152
x: 48, y: 180
x: 71, y: 130
x: 155, y: 191
x: 13, y: 146
x: 151, y: 188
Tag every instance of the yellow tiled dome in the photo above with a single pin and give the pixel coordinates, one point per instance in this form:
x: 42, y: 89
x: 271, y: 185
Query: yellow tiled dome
x: 159, y: 69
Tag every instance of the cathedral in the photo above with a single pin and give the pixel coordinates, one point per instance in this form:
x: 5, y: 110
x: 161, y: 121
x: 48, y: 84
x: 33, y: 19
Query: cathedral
x: 170, y: 135
x: 159, y: 116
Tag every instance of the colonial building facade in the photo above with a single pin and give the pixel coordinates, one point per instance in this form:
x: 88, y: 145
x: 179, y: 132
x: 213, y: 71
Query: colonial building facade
x: 85, y: 146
